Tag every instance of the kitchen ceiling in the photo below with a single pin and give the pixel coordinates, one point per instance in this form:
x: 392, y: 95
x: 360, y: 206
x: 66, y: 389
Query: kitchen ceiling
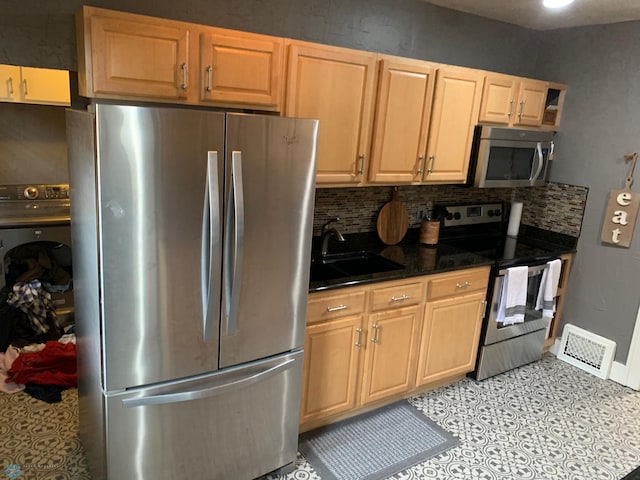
x: 531, y: 13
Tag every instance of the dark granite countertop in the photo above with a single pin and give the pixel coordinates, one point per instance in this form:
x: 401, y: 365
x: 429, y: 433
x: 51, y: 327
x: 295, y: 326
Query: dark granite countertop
x: 425, y: 260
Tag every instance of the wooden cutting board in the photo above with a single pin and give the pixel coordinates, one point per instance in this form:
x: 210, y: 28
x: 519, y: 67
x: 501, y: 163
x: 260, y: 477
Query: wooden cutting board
x: 393, y: 221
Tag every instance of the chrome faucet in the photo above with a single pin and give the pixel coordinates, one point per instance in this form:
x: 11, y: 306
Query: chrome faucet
x: 327, y: 232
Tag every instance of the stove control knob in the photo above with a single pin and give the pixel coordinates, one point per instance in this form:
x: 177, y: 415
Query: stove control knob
x: 31, y: 193
x: 497, y: 212
x: 449, y: 216
x: 457, y: 215
x: 490, y: 213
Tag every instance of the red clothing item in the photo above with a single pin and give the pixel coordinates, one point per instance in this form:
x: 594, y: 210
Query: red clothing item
x: 53, y: 365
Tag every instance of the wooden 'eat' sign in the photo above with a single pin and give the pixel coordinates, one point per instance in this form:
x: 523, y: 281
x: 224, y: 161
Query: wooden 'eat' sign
x: 622, y: 211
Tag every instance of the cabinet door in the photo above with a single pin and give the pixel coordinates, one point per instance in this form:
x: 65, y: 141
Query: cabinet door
x: 330, y: 368
x: 450, y: 335
x: 498, y: 99
x: 389, y: 354
x: 403, y: 108
x: 136, y: 59
x: 9, y: 83
x: 238, y: 68
x: 336, y: 86
x: 456, y: 106
x: 531, y: 102
x: 45, y: 86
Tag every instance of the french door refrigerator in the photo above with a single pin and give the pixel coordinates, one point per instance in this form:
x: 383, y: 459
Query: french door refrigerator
x: 191, y: 243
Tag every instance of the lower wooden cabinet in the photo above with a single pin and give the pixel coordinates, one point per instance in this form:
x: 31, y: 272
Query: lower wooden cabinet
x: 450, y: 336
x: 389, y: 353
x: 366, y: 346
x: 330, y: 368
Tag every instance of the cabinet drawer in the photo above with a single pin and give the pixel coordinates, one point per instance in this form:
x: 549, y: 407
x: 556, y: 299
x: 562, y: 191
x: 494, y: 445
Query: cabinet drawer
x: 458, y: 284
x: 333, y: 306
x: 397, y: 296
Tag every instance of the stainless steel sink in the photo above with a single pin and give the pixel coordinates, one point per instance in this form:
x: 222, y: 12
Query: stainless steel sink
x: 340, y: 265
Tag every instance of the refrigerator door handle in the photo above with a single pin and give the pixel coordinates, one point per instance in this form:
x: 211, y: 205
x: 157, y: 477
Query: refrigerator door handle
x: 210, y: 260
x: 223, y: 389
x: 234, y: 241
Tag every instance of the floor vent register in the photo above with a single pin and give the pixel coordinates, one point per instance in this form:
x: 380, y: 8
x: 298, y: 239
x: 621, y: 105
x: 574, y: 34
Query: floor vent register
x: 587, y: 351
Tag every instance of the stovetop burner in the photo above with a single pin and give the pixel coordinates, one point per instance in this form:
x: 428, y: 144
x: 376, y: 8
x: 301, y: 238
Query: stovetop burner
x: 481, y: 229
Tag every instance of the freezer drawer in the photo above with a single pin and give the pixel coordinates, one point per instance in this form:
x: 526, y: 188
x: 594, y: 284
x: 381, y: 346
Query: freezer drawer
x: 237, y: 423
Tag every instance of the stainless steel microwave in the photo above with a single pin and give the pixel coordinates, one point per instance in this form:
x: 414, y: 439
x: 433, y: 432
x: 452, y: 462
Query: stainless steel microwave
x: 509, y: 157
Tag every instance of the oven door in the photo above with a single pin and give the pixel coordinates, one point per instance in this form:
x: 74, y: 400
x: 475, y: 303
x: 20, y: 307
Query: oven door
x: 511, y: 163
x: 533, y: 319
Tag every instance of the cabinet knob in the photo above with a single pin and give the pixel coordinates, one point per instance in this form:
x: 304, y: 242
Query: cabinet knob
x: 360, y: 164
x: 400, y: 298
x: 183, y: 67
x: 337, y: 309
x: 209, y: 71
x: 432, y: 159
x: 376, y: 329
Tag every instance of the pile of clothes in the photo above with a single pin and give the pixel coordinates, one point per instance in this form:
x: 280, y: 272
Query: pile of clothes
x: 41, y: 370
x: 38, y: 358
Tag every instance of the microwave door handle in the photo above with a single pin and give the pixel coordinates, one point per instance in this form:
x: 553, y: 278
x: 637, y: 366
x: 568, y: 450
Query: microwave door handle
x: 538, y: 151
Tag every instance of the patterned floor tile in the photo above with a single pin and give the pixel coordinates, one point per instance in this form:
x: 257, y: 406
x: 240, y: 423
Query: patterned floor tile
x: 545, y: 421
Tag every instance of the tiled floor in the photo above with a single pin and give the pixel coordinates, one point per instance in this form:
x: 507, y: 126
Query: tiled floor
x: 545, y: 421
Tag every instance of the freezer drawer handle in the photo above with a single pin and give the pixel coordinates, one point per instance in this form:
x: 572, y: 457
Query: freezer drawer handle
x: 234, y: 243
x: 210, y: 259
x: 208, y: 392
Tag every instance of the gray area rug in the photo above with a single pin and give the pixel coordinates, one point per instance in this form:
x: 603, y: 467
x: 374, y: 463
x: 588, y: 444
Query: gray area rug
x: 374, y: 445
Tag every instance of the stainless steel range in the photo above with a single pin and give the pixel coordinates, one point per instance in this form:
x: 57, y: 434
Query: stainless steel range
x: 35, y: 241
x: 481, y: 228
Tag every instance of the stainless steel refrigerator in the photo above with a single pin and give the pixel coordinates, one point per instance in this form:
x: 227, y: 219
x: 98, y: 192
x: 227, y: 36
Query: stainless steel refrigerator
x: 191, y: 242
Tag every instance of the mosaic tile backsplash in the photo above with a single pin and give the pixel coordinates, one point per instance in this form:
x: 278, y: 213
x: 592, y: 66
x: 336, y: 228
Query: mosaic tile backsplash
x: 555, y: 207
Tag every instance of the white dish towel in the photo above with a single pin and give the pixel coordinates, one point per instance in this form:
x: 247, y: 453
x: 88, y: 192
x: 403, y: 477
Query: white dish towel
x: 513, y: 297
x: 546, y: 300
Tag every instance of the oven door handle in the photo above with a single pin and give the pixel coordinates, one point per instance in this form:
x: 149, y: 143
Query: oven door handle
x: 534, y: 268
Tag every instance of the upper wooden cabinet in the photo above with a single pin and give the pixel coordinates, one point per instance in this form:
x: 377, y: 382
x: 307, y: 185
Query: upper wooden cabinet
x: 403, y: 110
x: 34, y: 85
x: 553, y: 106
x: 455, y: 111
x: 336, y: 86
x: 240, y: 68
x: 513, y: 101
x: 122, y: 55
x: 125, y: 55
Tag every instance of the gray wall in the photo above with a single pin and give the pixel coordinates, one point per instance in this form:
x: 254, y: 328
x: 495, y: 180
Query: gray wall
x: 41, y: 32
x: 600, y: 123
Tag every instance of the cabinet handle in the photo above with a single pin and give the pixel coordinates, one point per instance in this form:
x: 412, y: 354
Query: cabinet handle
x: 338, y: 308
x: 10, y: 85
x: 209, y: 75
x: 521, y: 108
x: 510, y: 108
x: 360, y: 164
x: 432, y: 159
x: 24, y: 84
x: 463, y: 285
x: 376, y: 329
x: 359, y: 340
x: 484, y: 308
x: 400, y: 298
x: 421, y: 163
x: 183, y: 67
